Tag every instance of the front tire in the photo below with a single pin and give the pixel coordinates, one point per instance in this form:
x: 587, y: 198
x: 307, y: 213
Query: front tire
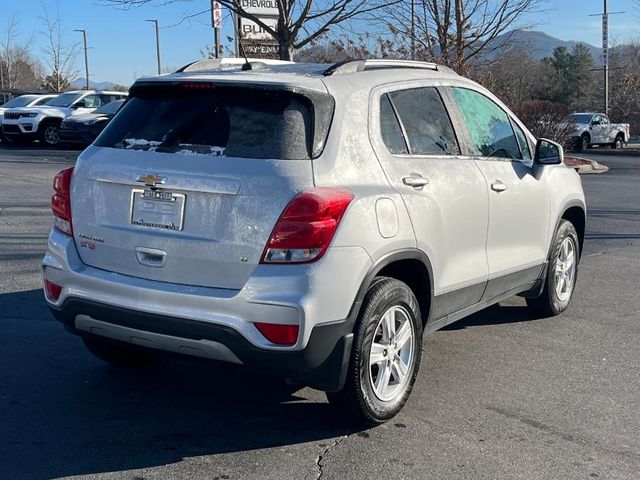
x: 50, y: 134
x: 562, y: 272
x: 386, y: 354
x: 116, y: 353
x: 584, y: 142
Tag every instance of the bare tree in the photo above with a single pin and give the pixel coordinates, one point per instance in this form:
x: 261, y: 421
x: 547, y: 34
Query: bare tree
x: 11, y: 52
x: 300, y: 22
x: 60, y: 56
x: 456, y: 32
x: 18, y: 68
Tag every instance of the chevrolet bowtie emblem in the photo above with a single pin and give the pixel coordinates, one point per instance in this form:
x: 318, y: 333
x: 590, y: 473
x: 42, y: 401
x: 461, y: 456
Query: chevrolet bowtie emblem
x: 151, y: 180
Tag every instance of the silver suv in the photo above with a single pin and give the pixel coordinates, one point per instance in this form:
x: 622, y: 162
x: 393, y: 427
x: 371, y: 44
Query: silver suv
x: 315, y: 221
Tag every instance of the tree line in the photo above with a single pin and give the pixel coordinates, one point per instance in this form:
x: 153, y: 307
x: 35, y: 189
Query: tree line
x: 473, y: 37
x: 53, y: 70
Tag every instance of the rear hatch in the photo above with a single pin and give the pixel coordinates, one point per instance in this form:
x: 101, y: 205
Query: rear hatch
x: 188, y: 180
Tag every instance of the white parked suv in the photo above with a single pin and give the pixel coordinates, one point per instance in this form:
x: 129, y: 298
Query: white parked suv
x: 43, y: 122
x: 311, y: 220
x: 24, y: 101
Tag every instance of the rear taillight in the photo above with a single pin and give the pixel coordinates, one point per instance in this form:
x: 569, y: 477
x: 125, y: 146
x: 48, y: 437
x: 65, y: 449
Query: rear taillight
x: 278, y: 334
x: 61, y: 201
x: 52, y: 290
x: 307, y: 225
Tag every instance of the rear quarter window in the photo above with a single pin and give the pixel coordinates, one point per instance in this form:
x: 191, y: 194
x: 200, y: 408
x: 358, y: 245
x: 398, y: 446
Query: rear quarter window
x: 232, y: 122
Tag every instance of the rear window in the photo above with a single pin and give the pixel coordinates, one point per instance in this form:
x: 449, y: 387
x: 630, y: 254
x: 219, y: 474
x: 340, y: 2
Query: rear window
x: 232, y: 122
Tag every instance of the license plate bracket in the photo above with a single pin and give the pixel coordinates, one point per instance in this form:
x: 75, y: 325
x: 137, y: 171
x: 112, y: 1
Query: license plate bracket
x: 160, y: 209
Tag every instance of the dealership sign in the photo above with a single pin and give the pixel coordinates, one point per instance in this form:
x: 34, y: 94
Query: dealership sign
x: 256, y: 41
x: 260, y: 8
x: 217, y: 15
x: 250, y: 30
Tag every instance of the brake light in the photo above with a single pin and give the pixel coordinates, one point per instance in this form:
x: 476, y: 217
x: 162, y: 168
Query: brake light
x: 278, y: 334
x: 61, y: 201
x: 198, y: 85
x: 52, y: 290
x: 307, y: 225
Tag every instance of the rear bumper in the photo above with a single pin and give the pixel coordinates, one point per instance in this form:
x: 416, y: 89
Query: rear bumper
x: 322, y: 364
x: 219, y: 323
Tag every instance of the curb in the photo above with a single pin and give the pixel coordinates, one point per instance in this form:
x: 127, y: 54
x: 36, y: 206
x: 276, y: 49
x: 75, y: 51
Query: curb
x: 593, y: 167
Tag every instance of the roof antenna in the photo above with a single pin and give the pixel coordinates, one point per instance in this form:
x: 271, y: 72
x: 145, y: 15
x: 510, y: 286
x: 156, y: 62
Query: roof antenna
x: 247, y: 64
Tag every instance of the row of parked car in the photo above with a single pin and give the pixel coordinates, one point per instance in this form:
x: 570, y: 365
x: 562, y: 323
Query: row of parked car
x: 75, y: 117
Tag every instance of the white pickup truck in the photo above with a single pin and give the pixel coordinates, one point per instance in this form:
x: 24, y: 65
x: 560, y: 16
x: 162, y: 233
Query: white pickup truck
x: 594, y: 128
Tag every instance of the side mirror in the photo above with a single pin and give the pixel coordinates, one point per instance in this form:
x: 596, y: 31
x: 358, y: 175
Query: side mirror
x: 548, y: 152
x: 79, y: 104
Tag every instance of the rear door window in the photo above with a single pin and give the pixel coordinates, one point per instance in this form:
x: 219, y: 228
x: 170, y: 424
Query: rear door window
x: 233, y: 122
x: 426, y: 121
x: 488, y: 124
x: 91, y: 101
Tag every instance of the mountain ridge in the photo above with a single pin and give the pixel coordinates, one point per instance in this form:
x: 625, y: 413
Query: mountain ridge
x: 540, y: 44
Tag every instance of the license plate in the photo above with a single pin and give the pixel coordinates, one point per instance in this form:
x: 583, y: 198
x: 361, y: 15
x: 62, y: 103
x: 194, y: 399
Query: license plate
x: 157, y: 209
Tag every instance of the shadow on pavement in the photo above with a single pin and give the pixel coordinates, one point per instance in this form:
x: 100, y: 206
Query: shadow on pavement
x: 36, y: 146
x: 496, y: 315
x: 65, y: 413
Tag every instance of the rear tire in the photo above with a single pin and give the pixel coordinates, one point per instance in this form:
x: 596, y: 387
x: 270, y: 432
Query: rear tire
x: 562, y: 272
x: 116, y: 353
x: 618, y: 143
x: 386, y: 354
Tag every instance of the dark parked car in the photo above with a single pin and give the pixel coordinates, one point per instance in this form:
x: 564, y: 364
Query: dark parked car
x: 84, y: 129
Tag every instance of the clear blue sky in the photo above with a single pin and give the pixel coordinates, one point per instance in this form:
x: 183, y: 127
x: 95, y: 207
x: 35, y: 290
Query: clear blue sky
x: 122, y: 44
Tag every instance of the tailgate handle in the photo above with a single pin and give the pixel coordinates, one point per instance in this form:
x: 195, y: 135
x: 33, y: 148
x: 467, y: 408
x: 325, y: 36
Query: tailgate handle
x: 151, y: 257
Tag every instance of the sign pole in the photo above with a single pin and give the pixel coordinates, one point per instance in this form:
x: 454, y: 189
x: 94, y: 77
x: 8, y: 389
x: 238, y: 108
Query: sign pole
x: 605, y: 55
x: 216, y: 23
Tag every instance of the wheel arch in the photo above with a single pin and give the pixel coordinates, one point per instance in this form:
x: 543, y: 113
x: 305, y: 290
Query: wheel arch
x: 576, y: 214
x: 410, y: 266
x: 46, y: 121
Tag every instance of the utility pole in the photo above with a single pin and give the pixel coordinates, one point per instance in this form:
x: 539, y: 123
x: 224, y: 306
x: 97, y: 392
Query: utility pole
x: 86, y: 57
x: 605, y: 51
x: 157, y: 43
x: 605, y: 55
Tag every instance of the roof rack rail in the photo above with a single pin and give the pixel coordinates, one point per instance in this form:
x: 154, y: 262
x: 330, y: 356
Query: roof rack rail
x: 215, y: 63
x: 352, y: 66
x: 206, y: 64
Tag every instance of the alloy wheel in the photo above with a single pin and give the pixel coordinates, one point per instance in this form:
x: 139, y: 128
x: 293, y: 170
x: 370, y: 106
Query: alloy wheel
x: 51, y: 135
x: 391, y: 356
x: 565, y: 269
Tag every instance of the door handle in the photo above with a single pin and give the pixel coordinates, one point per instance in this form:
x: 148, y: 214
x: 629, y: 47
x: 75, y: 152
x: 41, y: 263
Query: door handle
x: 415, y: 182
x: 498, y: 186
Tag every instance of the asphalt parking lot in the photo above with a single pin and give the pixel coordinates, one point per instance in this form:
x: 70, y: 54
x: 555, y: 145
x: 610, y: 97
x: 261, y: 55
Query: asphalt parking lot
x: 501, y: 395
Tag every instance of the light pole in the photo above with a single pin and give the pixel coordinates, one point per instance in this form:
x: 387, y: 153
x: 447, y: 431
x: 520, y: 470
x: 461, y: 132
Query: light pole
x: 157, y: 42
x: 86, y: 57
